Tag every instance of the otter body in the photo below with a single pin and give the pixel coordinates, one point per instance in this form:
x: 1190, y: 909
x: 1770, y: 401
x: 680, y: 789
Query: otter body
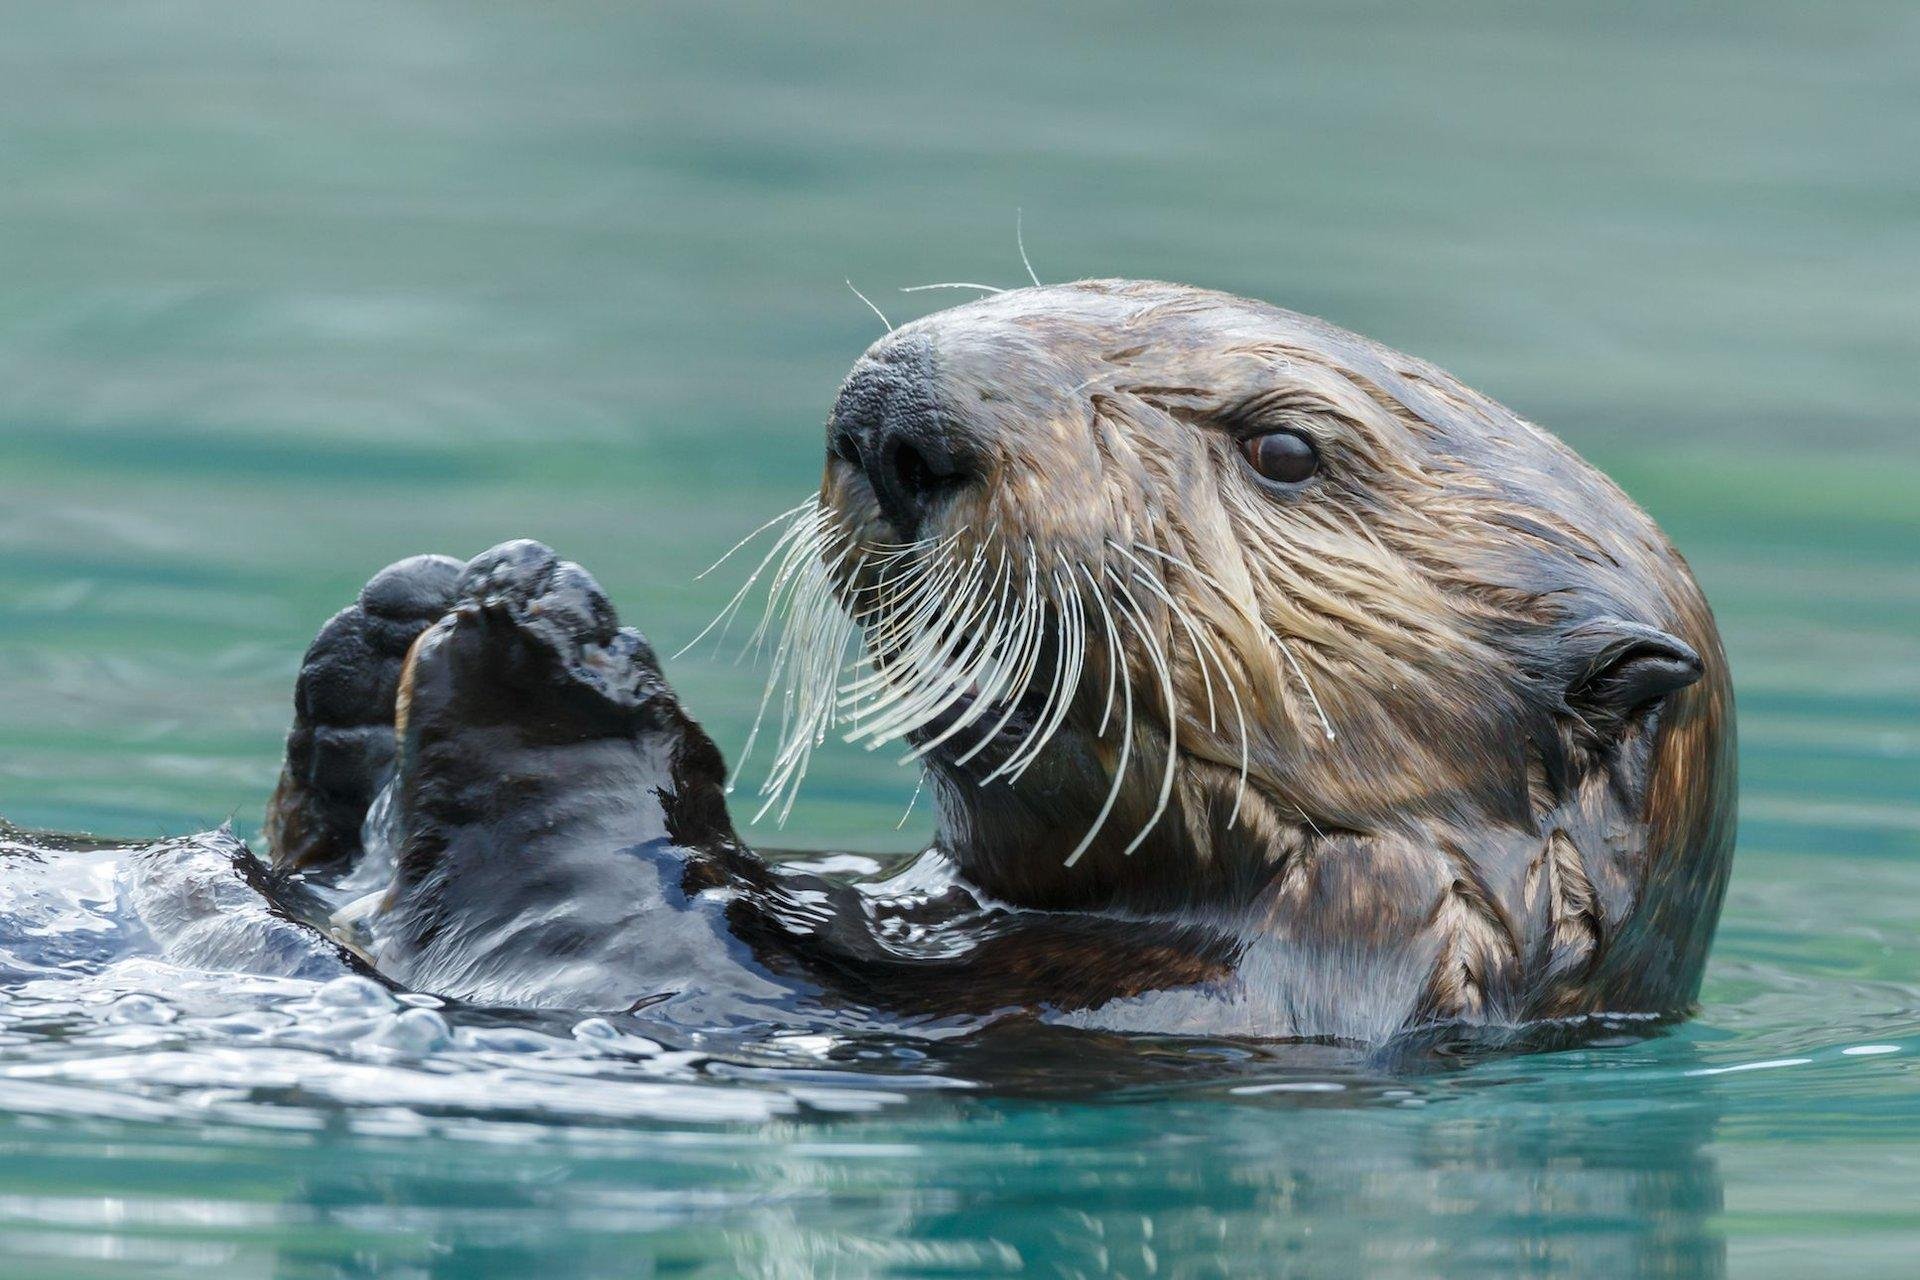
x: 1269, y: 683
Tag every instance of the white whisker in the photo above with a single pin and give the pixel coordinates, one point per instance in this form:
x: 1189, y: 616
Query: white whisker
x: 1023, y: 657
x: 1130, y: 610
x: 1116, y: 656
x: 1180, y: 615
x: 1010, y: 665
x: 1020, y: 239
x: 869, y: 301
x: 1240, y: 606
x: 800, y: 556
x: 907, y: 617
x: 813, y: 500
x: 1240, y: 716
x: 775, y: 595
x: 936, y: 641
x: 724, y: 618
x: 1069, y: 661
x: 951, y: 667
x: 953, y: 284
x: 912, y: 800
x: 810, y: 648
x: 1204, y: 651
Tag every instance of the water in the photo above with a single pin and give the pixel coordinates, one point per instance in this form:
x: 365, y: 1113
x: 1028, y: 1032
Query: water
x: 293, y: 291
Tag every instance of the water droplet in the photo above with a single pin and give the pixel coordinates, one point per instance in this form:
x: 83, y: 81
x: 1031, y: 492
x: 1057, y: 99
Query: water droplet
x: 415, y: 1032
x: 142, y: 1009
x: 354, y: 993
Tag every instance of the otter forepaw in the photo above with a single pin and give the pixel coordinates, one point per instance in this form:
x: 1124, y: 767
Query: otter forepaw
x: 532, y: 632
x: 340, y: 750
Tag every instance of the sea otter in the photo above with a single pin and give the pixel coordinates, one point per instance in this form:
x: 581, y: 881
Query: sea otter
x: 1267, y: 681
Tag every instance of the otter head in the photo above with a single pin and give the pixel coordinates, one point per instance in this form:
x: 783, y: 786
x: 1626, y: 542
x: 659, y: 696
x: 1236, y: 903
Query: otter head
x: 1166, y: 586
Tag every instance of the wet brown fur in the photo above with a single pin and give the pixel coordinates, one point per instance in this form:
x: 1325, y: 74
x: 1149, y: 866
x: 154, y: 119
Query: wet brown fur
x: 1525, y: 812
x: 1535, y: 850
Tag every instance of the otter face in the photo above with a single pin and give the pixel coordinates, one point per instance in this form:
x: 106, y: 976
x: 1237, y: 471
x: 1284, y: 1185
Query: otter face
x: 1161, y: 584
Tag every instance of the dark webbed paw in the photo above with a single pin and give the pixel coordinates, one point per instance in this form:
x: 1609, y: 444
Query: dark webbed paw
x: 340, y: 750
x: 533, y: 637
x: 531, y: 677
x: 550, y: 791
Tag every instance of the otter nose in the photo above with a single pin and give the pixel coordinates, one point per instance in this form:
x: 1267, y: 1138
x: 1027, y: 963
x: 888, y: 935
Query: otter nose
x: 889, y: 422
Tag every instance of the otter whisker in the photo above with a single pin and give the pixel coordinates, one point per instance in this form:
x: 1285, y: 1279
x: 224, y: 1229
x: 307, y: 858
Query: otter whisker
x: 895, y: 550
x: 1020, y: 239
x: 804, y: 575
x: 903, y: 611
x: 1206, y: 653
x: 1253, y: 617
x: 814, y: 659
x: 878, y: 685
x: 826, y: 637
x: 970, y: 678
x: 907, y: 618
x: 1022, y: 658
x: 1039, y: 730
x: 828, y: 661
x: 812, y: 502
x: 802, y: 591
x: 956, y: 672
x: 1286, y: 651
x: 1106, y: 711
x: 1041, y: 727
x: 783, y: 592
x: 955, y: 683
x: 885, y: 595
x: 919, y: 592
x: 953, y: 284
x: 889, y: 682
x: 817, y: 634
x: 1130, y: 610
x: 912, y: 800
x: 1240, y: 717
x: 1070, y: 660
x: 955, y: 661
x: 912, y: 677
x: 807, y: 547
x: 774, y: 597
x: 888, y: 620
x: 929, y: 557
x: 802, y: 518
x: 1015, y: 671
x: 1183, y: 616
x: 869, y: 301
x: 1116, y: 657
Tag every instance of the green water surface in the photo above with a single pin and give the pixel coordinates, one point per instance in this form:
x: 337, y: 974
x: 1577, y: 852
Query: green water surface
x: 288, y: 291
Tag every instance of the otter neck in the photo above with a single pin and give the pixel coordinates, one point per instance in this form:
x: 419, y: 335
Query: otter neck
x: 1198, y: 856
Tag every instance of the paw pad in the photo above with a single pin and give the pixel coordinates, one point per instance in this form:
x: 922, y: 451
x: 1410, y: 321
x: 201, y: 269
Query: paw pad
x: 522, y: 592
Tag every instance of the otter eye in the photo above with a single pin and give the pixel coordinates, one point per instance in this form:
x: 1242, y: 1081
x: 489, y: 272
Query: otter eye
x: 1284, y: 457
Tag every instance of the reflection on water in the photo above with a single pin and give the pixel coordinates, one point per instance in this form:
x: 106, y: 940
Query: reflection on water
x: 287, y: 1125
x: 326, y: 1124
x: 1178, y: 1186
x: 289, y: 298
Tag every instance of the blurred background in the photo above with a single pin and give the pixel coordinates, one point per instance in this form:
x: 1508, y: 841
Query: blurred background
x: 291, y: 296
x: 289, y: 291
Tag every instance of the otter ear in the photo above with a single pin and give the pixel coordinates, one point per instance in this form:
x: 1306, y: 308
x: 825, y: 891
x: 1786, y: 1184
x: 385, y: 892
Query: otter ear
x: 1618, y: 668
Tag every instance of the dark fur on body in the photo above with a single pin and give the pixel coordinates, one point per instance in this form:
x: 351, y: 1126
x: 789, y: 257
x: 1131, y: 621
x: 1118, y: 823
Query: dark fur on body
x: 1525, y: 813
